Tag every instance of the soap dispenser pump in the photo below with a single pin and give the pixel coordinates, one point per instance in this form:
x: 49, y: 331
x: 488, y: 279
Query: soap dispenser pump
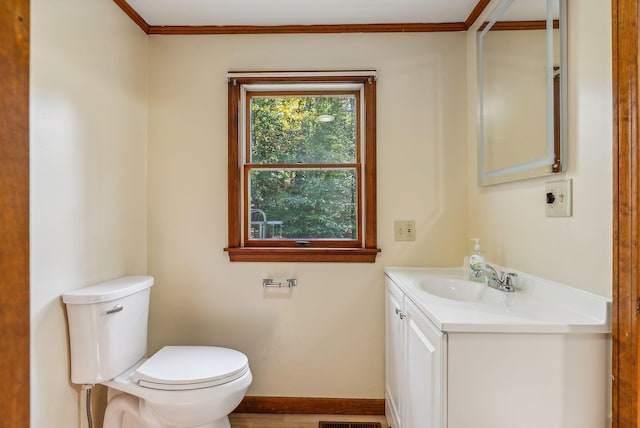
x: 476, y: 260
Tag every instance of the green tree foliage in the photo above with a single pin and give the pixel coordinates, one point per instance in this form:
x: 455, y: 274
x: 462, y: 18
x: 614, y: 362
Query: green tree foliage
x: 312, y: 202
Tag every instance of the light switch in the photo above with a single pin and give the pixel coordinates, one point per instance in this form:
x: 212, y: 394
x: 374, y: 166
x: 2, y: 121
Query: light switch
x: 558, y: 198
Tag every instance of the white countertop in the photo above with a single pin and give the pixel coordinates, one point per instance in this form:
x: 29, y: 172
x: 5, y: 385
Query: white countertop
x: 537, y: 305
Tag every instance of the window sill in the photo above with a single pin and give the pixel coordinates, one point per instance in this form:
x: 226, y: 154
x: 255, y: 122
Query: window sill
x: 340, y: 255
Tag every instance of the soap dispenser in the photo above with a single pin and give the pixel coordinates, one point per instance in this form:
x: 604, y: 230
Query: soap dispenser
x: 476, y: 261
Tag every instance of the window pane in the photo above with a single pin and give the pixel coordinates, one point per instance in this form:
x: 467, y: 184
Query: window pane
x: 303, y: 129
x: 303, y: 204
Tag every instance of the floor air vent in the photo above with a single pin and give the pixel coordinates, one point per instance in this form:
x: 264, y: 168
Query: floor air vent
x: 349, y: 425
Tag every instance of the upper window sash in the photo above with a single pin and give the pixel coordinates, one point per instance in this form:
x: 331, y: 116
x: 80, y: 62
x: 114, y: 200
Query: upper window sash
x: 252, y: 96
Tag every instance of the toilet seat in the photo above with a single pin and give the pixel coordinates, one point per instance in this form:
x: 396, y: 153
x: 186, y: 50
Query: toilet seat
x: 175, y: 368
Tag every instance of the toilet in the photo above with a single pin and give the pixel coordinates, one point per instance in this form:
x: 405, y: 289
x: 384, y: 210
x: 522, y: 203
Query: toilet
x: 177, y: 387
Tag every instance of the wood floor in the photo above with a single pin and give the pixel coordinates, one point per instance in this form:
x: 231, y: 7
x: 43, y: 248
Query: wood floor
x: 262, y: 420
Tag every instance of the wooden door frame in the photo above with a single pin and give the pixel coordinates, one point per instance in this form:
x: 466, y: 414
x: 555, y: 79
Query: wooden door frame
x: 14, y: 212
x: 626, y: 180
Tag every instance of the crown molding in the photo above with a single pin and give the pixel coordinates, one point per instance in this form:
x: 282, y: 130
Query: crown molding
x: 519, y: 25
x: 301, y: 29
x: 308, y: 29
x: 135, y: 16
x: 475, y: 13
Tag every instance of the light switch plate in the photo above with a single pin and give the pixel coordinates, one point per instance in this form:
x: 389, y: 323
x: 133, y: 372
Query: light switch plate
x: 558, y: 197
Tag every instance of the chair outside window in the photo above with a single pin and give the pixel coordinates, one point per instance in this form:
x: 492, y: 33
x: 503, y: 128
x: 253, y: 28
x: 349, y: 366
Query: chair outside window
x: 261, y: 228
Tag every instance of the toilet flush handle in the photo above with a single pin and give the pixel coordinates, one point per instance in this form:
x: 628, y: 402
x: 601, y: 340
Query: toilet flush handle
x: 116, y: 309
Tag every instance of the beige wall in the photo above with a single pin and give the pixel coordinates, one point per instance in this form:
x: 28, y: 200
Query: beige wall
x: 510, y: 218
x: 88, y: 176
x: 326, y: 337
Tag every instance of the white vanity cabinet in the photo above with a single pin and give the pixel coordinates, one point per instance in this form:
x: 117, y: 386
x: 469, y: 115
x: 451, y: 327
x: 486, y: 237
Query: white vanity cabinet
x: 536, y: 358
x: 415, y: 354
x: 394, y: 354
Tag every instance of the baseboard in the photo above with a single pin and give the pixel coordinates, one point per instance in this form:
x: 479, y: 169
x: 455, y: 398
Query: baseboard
x: 304, y: 405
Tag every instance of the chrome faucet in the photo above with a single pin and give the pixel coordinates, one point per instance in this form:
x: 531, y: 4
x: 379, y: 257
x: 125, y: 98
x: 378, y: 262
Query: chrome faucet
x: 506, y: 281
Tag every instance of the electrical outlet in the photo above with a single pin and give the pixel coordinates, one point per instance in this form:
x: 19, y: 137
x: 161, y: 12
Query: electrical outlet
x: 404, y: 230
x: 558, y: 198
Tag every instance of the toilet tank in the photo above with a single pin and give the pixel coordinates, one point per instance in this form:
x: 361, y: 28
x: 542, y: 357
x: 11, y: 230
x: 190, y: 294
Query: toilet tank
x: 107, y: 327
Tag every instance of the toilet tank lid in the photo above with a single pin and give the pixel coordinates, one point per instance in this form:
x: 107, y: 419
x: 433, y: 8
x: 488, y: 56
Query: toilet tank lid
x: 108, y: 290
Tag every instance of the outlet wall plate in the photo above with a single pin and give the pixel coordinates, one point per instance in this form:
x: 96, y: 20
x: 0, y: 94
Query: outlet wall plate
x: 404, y: 230
x: 558, y: 197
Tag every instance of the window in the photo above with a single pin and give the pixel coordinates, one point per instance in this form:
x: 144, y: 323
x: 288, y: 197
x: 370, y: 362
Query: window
x: 302, y: 167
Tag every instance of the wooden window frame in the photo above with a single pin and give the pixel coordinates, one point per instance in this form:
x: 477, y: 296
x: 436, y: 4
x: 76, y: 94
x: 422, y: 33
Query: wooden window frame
x: 364, y: 250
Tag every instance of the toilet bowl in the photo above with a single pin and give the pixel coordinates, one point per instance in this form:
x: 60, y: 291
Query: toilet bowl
x: 177, y: 387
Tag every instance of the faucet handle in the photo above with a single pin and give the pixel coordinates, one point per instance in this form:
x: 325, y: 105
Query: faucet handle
x: 510, y: 279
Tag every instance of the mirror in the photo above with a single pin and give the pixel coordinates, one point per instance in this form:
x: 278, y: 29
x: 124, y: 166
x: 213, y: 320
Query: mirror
x: 522, y: 91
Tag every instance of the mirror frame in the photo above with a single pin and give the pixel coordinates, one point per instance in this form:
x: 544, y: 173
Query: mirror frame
x: 555, y: 161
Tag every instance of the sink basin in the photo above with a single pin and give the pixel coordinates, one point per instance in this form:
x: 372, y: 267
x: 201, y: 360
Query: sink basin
x: 456, y: 304
x: 460, y: 289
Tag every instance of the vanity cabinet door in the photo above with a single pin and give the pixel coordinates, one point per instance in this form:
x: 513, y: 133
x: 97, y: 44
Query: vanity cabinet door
x: 425, y: 390
x: 415, y: 387
x: 394, y: 349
